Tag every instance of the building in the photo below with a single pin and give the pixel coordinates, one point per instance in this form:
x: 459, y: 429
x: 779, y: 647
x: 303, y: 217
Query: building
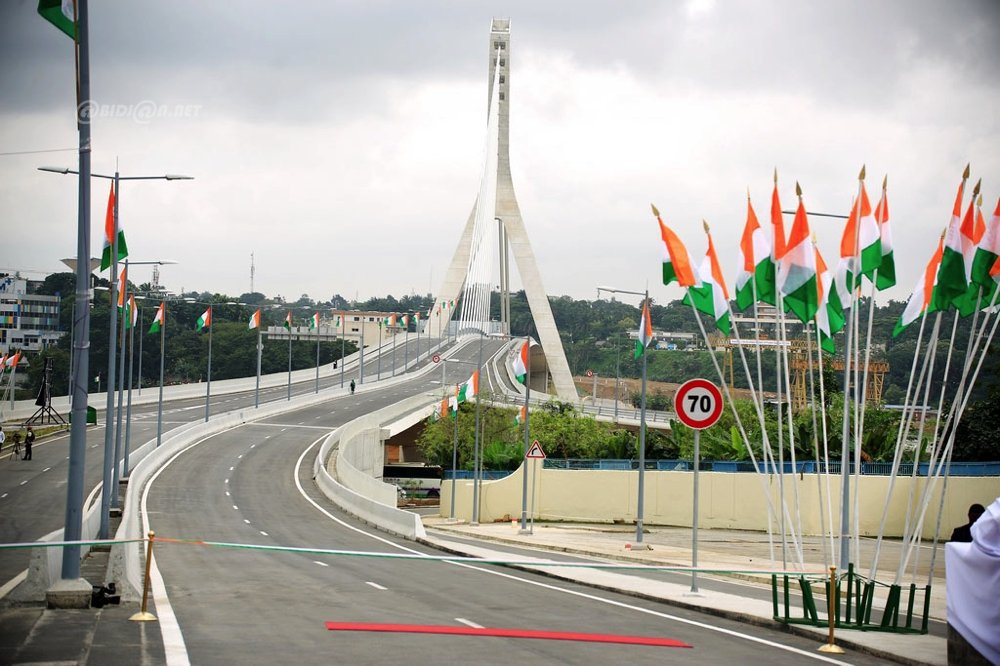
x: 28, y: 321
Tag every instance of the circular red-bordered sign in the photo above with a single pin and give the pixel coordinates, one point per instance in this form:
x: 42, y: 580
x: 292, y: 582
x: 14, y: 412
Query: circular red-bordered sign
x: 698, y: 403
x: 590, y: 373
x: 436, y: 358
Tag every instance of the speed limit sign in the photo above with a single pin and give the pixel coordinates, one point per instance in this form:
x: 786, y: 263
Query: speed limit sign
x: 698, y: 403
x: 436, y: 358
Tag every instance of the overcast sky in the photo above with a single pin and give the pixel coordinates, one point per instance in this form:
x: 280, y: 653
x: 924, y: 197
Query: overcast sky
x: 342, y: 142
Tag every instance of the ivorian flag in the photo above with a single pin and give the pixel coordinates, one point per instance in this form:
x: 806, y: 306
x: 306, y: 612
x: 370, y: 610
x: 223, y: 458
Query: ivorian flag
x: 519, y: 416
x: 755, y: 254
x: 830, y: 314
x: 60, y: 14
x: 676, y: 260
x: 711, y: 297
x: 391, y: 320
x: 109, y: 233
x: 205, y: 320
x: 971, y: 233
x: 416, y: 317
x: 986, y: 255
x: 922, y: 299
x: 133, y: 312
x: 797, y: 269
x: 952, y: 281
x: 288, y: 321
x: 767, y: 284
x: 645, y: 337
x: 121, y: 290
x: 314, y: 321
x: 469, y: 388
x: 887, y: 268
x: 521, y: 363
x: 861, y: 240
x: 405, y: 319
x: 338, y: 320
x: 158, y: 319
x: 254, y: 320
x: 12, y: 361
x: 453, y: 401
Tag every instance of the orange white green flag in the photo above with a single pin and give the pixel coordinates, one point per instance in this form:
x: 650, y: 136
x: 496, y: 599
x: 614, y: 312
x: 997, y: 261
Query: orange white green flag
x: 521, y: 363
x: 205, y: 320
x: 254, y: 320
x: 121, y: 290
x: 645, y: 337
x: 861, y: 242
x: 755, y: 260
x: 676, y: 260
x: 469, y: 388
x: 712, y: 296
x: 797, y: 269
x: 314, y: 321
x: 519, y: 416
x: 887, y: 268
x: 952, y: 279
x: 767, y: 283
x: 986, y: 255
x: 288, y: 321
x: 158, y: 319
x: 109, y: 234
x: 922, y: 299
x: 133, y: 312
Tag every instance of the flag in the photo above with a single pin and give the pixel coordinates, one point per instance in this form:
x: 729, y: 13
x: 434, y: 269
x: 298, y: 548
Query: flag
x: 767, y: 289
x: 254, y: 320
x: 12, y: 361
x: 288, y: 321
x: 861, y: 240
x: 60, y: 14
x: 469, y: 388
x: 338, y: 320
x: 971, y: 232
x: 952, y: 279
x: 645, y: 337
x: 314, y: 321
x: 205, y: 320
x: 711, y: 297
x: 887, y: 268
x: 797, y: 269
x: 416, y: 317
x: 133, y: 313
x: 922, y: 299
x: 986, y: 254
x: 756, y: 266
x: 121, y: 290
x: 519, y: 416
x: 109, y: 233
x: 521, y: 363
x: 391, y: 320
x: 676, y: 260
x: 405, y: 319
x: 158, y: 319
x: 830, y: 313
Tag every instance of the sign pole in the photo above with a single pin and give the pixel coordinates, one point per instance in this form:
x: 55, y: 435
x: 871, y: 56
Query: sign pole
x: 694, y: 518
x: 534, y: 484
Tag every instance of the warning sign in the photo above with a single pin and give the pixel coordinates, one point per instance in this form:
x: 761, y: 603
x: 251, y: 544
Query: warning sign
x: 535, y: 451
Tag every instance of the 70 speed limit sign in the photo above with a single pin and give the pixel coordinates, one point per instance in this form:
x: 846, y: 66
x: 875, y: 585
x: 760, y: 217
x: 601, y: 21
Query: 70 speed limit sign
x: 698, y: 403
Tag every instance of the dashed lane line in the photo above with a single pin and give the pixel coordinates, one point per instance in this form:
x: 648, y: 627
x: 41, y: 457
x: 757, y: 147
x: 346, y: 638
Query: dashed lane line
x: 468, y: 623
x: 375, y: 585
x: 322, y: 564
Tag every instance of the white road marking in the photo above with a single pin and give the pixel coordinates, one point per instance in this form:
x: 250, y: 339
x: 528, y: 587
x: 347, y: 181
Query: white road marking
x: 246, y: 521
x: 227, y: 494
x: 231, y: 469
x: 24, y: 482
x: 240, y: 456
x: 263, y: 533
x: 468, y: 623
x: 322, y: 564
x: 4, y: 495
x: 252, y: 445
x: 227, y: 480
x: 236, y: 508
x: 46, y: 469
x: 375, y: 585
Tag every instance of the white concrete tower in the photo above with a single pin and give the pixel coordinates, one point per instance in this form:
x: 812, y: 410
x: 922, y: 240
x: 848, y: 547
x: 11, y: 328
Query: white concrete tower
x: 511, y: 232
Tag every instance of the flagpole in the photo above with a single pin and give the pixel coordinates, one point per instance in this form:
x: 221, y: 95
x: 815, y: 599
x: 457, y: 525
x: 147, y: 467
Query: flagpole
x: 361, y: 355
x: 826, y: 446
x: 208, y: 383
x: 406, y: 346
x: 392, y: 364
x: 109, y: 411
x: 815, y: 427
x: 642, y: 433
x: 475, y: 480
x: 378, y: 366
x: 343, y: 336
x: 73, y: 524
x: 527, y: 439
x: 121, y: 390
x: 317, y: 352
x: 289, y: 358
x: 159, y: 408
x: 141, y: 336
x: 128, y: 412
x: 454, y: 457
x: 256, y: 392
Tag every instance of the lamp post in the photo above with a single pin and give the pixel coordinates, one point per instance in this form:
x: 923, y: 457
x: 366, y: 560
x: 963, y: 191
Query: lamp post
x: 112, y: 328
x: 454, y: 445
x: 642, y: 421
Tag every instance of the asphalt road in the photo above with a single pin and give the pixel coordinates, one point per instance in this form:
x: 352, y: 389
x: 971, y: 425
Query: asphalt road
x: 33, y: 493
x: 259, y: 603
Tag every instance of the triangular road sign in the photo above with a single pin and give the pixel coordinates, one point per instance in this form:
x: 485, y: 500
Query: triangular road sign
x: 535, y: 451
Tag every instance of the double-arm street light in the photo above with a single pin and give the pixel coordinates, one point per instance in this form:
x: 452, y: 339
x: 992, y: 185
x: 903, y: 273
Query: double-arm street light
x: 109, y: 440
x: 642, y: 419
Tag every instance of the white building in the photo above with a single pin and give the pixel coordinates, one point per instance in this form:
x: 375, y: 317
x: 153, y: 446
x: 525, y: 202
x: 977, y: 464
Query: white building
x: 28, y: 322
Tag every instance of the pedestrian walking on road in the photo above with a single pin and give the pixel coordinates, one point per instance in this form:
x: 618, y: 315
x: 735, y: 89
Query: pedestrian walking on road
x: 352, y: 387
x: 29, y: 439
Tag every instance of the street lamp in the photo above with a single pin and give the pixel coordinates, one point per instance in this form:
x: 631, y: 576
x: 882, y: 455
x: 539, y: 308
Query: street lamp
x: 109, y: 452
x: 642, y: 420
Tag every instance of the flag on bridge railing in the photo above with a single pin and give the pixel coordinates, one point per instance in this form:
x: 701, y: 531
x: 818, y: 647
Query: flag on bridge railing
x: 109, y: 234
x: 645, y: 330
x: 205, y: 320
x: 288, y: 321
x: 521, y: 363
x: 158, y: 319
x: 469, y: 388
x: 314, y: 321
x: 254, y: 320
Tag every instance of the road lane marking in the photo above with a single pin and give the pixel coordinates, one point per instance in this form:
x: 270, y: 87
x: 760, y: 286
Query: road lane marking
x: 468, y: 623
x: 46, y: 469
x: 246, y: 521
x: 375, y: 585
x: 4, y: 495
x: 263, y: 533
x: 240, y: 456
x: 227, y: 480
x: 227, y: 494
x: 236, y: 508
x: 322, y: 564
x: 24, y: 482
x: 231, y: 469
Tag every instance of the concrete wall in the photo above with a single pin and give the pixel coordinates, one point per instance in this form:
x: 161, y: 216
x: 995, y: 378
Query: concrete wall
x: 727, y: 501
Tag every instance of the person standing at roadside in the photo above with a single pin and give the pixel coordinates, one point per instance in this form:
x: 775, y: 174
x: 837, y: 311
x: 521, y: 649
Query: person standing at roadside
x: 29, y: 439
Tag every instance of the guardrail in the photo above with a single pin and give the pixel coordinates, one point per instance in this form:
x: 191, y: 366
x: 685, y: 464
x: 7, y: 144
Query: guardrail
x: 800, y: 467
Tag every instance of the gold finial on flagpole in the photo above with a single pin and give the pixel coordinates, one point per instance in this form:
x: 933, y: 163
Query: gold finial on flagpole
x: 775, y: 175
x: 655, y: 211
x: 965, y: 174
x: 980, y: 202
x: 705, y: 225
x: 975, y: 190
x: 798, y: 190
x: 885, y: 181
x: 861, y: 176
